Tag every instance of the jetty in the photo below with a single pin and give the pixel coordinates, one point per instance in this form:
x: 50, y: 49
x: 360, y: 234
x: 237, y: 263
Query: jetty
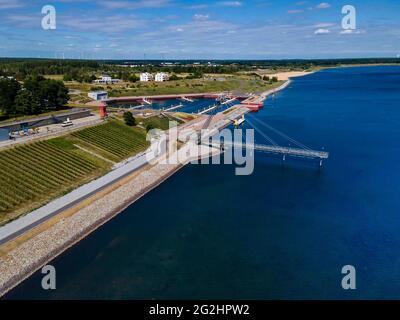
x: 146, y: 101
x: 210, y: 108
x: 174, y: 107
x: 187, y: 99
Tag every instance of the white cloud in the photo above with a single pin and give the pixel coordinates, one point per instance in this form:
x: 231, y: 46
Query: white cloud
x: 229, y: 3
x: 24, y: 21
x: 198, y: 6
x: 296, y: 11
x: 109, y: 4
x: 321, y: 31
x: 350, y: 31
x: 10, y: 4
x: 110, y: 24
x: 324, y: 25
x: 323, y: 5
x: 201, y: 17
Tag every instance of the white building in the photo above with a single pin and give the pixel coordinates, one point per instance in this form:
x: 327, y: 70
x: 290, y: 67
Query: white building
x: 145, y: 77
x: 98, y: 95
x: 162, y: 76
x: 9, y: 78
x: 106, y: 80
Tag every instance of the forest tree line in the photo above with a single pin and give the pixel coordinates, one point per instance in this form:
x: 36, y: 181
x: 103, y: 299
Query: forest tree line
x: 37, y: 95
x: 87, y: 70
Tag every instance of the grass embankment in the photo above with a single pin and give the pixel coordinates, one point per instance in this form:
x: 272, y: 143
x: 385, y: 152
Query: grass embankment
x: 160, y: 122
x: 37, y: 172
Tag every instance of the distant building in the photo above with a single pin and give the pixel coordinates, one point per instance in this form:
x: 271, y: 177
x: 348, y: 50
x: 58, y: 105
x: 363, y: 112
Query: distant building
x: 145, y: 77
x: 161, y: 76
x: 106, y: 80
x: 9, y: 78
x: 98, y: 95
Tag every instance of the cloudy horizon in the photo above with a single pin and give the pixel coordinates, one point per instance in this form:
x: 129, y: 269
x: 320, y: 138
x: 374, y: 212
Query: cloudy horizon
x: 175, y: 29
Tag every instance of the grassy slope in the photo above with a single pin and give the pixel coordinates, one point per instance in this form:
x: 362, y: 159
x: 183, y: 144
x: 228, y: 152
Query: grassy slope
x: 157, y: 122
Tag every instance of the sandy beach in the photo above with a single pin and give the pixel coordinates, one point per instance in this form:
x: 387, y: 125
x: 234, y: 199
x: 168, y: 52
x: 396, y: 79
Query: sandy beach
x: 284, y: 76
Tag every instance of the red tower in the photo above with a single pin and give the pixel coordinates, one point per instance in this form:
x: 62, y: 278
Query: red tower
x: 103, y: 111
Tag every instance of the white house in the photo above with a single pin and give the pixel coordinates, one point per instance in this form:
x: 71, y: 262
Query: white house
x: 98, y: 95
x: 9, y: 78
x: 162, y: 76
x: 106, y: 80
x: 145, y: 77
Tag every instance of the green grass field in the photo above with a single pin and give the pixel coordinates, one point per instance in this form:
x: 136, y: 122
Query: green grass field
x: 241, y: 82
x: 159, y: 122
x: 192, y: 86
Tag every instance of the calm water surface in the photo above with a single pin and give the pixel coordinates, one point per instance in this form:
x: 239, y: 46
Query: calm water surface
x: 283, y: 232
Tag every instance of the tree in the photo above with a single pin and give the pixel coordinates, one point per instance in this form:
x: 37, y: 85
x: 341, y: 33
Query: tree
x: 266, y: 78
x: 133, y: 78
x: 27, y: 103
x: 196, y: 75
x: 67, y: 77
x: 8, y: 91
x: 174, y: 77
x: 129, y: 119
x: 39, y: 95
x: 149, y: 127
x: 274, y: 79
x: 23, y: 102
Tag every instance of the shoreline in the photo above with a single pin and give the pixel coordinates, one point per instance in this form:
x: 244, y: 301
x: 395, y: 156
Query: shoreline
x: 26, y: 258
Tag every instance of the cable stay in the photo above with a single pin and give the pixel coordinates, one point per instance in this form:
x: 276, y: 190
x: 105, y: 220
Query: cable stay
x: 300, y: 145
x: 262, y: 134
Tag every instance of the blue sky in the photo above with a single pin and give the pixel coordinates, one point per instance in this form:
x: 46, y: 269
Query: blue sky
x: 177, y: 29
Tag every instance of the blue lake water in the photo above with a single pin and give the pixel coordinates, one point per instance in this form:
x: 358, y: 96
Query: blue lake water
x: 194, y: 106
x: 282, y: 233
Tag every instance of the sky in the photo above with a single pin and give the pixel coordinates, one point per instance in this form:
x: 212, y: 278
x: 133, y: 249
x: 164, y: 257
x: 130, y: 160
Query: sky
x: 203, y: 29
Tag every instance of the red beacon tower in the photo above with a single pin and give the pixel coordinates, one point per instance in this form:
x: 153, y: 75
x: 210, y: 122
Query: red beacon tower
x: 103, y: 111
